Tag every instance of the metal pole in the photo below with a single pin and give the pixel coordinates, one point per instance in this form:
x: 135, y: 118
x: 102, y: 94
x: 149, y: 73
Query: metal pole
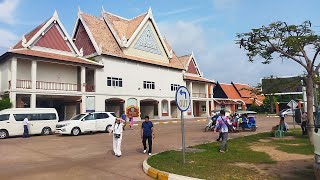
x: 294, y: 124
x: 183, y: 143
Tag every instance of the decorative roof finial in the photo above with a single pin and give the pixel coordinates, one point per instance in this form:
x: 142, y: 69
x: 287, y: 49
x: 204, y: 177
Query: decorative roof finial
x: 103, y: 9
x: 24, y: 41
x: 81, y: 52
x: 79, y: 10
x: 150, y: 11
x: 55, y: 14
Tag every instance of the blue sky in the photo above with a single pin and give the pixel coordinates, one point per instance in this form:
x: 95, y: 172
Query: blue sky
x: 206, y: 27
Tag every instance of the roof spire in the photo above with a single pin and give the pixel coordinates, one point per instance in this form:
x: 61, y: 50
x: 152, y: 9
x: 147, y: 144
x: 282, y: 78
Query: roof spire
x: 102, y: 9
x: 55, y: 14
x: 150, y: 11
x: 79, y: 10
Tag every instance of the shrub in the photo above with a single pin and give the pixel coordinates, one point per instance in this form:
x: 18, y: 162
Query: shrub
x: 5, y: 103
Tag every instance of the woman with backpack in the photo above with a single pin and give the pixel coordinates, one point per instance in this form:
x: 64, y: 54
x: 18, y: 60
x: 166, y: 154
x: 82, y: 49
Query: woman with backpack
x: 222, y: 126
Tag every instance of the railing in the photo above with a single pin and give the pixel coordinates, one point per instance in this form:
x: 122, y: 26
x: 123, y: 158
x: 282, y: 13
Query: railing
x: 58, y: 86
x: 89, y: 87
x: 199, y: 95
x: 22, y: 84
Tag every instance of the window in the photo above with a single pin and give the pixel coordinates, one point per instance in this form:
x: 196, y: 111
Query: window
x: 35, y: 117
x: 113, y: 81
x: 20, y: 117
x: 101, y: 116
x: 89, y: 117
x: 113, y: 114
x: 4, y: 117
x: 148, y: 85
x: 174, y: 87
x: 48, y: 116
x: 204, y: 108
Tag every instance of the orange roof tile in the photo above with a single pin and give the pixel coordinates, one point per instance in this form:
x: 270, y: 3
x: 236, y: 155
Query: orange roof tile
x: 185, y: 59
x: 243, y: 89
x: 56, y: 57
x: 230, y: 91
x: 104, y: 37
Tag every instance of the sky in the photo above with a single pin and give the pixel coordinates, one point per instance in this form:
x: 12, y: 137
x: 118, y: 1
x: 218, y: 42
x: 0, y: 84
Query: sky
x: 207, y: 28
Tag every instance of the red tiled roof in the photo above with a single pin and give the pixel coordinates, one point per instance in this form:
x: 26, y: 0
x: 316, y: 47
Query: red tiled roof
x: 56, y: 57
x: 243, y: 89
x: 52, y: 39
x: 195, y: 78
x: 185, y: 59
x: 230, y: 91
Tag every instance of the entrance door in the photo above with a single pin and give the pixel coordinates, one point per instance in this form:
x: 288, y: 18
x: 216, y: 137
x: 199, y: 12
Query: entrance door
x: 89, y: 123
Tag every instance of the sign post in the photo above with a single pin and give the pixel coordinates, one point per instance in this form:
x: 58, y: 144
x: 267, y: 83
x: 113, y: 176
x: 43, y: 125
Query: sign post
x: 183, y: 102
x: 293, y: 105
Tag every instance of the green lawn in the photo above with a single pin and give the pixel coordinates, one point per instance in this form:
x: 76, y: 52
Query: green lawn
x: 211, y: 164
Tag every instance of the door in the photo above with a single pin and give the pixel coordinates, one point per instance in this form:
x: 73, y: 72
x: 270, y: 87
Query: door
x: 5, y: 123
x: 101, y: 121
x: 89, y: 123
x: 16, y: 124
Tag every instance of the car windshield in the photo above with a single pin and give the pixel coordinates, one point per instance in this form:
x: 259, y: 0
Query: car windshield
x: 113, y: 114
x: 78, y: 117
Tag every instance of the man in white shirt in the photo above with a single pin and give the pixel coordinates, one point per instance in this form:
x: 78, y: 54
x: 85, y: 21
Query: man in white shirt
x: 25, y: 127
x: 222, y: 126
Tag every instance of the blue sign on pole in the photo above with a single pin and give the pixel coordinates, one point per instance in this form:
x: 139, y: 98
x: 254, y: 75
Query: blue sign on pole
x: 183, y: 98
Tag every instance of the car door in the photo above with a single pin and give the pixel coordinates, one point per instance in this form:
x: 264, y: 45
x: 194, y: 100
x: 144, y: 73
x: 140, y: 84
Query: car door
x: 101, y: 121
x: 17, y: 124
x: 89, y: 123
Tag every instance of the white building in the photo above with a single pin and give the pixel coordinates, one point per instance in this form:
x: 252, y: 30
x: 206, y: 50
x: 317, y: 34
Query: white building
x: 109, y: 64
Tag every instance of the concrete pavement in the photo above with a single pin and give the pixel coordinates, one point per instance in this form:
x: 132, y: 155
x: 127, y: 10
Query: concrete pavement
x: 90, y: 156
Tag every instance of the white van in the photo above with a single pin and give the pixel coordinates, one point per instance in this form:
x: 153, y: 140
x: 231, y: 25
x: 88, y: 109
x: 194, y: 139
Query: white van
x: 87, y: 122
x: 42, y: 121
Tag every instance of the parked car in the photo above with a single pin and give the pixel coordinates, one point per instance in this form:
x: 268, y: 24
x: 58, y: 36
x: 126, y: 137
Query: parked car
x: 287, y: 112
x: 42, y: 121
x: 87, y: 122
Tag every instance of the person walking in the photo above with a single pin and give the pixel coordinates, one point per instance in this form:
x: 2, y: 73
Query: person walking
x: 117, y: 136
x: 222, y: 126
x: 131, y: 122
x: 304, y: 123
x: 124, y: 118
x: 25, y: 127
x: 147, y: 133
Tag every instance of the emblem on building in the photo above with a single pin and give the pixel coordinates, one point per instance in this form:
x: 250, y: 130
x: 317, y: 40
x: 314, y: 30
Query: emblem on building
x: 147, y: 42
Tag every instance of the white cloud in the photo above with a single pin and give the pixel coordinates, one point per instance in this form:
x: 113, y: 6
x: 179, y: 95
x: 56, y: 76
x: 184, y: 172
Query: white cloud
x: 177, y: 11
x: 7, y: 38
x: 221, y: 62
x: 7, y: 9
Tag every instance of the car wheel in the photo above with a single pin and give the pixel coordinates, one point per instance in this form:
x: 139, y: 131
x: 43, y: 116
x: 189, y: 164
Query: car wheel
x: 108, y: 129
x: 46, y: 131
x: 75, y: 131
x: 3, y: 134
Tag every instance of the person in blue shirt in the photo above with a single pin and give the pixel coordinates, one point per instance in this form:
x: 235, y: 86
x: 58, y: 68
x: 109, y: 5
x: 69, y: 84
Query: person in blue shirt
x: 147, y: 133
x: 222, y: 127
x: 124, y: 118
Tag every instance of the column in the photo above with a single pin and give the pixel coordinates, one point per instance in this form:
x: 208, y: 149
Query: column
x: 83, y: 104
x: 13, y: 73
x: 83, y: 79
x: 139, y: 107
x: 33, y: 101
x: 207, y: 90
x: 125, y: 107
x: 169, y: 109
x: 191, y: 103
x: 207, y: 108
x: 160, y: 109
x: 34, y: 75
x: 13, y: 99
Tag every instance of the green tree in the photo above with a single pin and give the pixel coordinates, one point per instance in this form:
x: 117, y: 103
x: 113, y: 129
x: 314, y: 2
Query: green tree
x: 5, y: 103
x: 297, y: 43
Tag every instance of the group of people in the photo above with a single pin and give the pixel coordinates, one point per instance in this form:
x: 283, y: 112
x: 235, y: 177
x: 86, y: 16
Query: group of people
x: 146, y: 132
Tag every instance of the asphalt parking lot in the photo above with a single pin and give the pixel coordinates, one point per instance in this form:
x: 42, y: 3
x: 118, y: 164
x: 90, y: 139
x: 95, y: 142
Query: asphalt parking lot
x: 90, y: 156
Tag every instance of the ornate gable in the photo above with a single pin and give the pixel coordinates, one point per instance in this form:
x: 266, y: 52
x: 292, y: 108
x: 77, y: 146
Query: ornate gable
x: 82, y: 40
x: 147, y: 42
x: 192, y: 68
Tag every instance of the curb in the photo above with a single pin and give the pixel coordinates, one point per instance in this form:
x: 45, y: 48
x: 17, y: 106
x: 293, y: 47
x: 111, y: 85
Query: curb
x: 169, y: 122
x: 162, y: 175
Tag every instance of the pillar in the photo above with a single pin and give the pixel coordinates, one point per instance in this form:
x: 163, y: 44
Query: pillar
x: 83, y: 79
x: 33, y: 100
x: 207, y: 107
x: 169, y: 109
x: 191, y: 102
x: 139, y: 107
x: 160, y: 109
x: 243, y: 107
x: 83, y: 104
x: 34, y: 75
x: 13, y: 99
x: 207, y: 91
x: 13, y: 73
x: 277, y: 108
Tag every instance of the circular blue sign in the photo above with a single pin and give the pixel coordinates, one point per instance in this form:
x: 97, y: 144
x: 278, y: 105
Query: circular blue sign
x: 183, y: 98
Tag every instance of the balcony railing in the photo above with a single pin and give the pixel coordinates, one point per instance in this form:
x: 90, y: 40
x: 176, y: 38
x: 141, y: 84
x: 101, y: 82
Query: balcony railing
x: 58, y: 86
x: 199, y: 95
x: 23, y: 84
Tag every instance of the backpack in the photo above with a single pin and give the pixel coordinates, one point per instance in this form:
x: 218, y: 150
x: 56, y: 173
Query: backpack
x: 218, y: 128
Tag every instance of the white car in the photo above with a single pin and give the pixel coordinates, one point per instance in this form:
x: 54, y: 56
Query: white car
x: 41, y: 121
x: 87, y: 122
x: 287, y: 112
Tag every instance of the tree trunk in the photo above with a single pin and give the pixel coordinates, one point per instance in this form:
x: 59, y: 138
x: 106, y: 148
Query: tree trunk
x: 310, y: 94
x: 271, y: 104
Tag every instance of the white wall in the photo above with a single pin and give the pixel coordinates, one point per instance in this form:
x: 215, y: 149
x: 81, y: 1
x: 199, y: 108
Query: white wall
x: 52, y: 72
x: 23, y: 69
x: 133, y: 74
x: 4, y: 75
x: 198, y: 88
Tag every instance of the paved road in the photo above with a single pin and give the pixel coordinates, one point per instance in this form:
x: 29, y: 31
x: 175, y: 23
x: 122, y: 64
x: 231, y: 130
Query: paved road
x: 90, y: 156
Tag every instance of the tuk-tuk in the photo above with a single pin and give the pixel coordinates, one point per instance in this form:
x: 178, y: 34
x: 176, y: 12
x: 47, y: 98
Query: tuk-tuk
x: 246, y: 120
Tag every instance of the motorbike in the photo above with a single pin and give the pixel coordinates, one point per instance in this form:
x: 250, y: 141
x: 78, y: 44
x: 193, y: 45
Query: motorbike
x: 211, y: 125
